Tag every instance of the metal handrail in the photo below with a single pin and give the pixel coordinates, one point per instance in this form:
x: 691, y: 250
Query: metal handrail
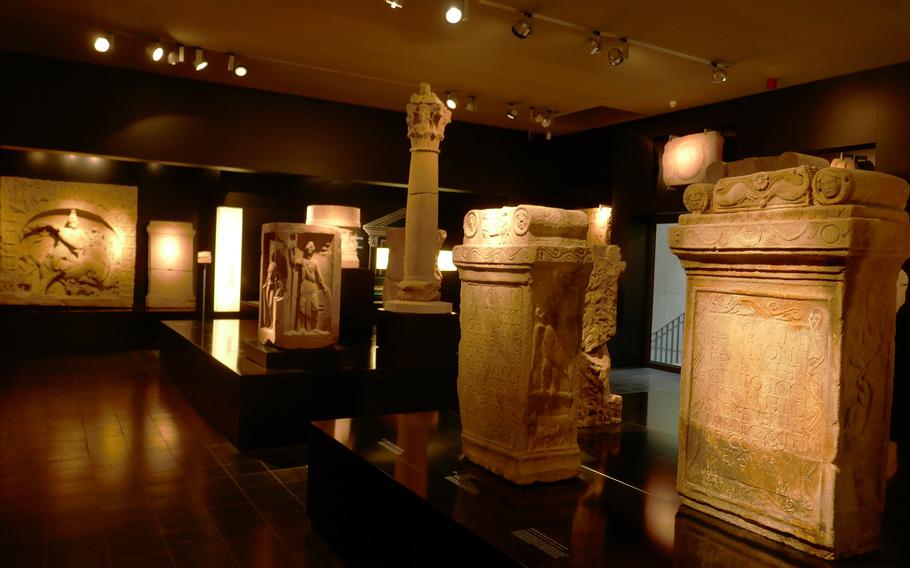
x: 666, y: 342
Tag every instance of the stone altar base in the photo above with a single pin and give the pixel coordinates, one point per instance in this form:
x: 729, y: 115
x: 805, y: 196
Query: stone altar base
x: 787, y: 373
x: 412, y: 307
x: 524, y: 271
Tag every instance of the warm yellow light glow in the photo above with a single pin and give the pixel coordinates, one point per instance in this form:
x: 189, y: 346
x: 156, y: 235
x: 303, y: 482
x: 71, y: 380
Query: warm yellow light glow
x: 103, y: 43
x: 157, y: 52
x: 168, y: 251
x: 382, y: 258
x: 228, y: 248
x: 453, y: 15
x: 603, y: 215
x: 688, y: 160
x: 444, y: 262
x: 225, y: 340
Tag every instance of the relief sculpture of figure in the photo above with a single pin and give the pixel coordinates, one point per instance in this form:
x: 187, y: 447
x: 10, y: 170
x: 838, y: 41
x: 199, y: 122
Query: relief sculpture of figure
x: 273, y: 289
x: 310, y: 284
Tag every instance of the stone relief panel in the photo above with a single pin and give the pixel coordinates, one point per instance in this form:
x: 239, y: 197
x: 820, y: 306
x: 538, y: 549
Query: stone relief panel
x: 300, y: 285
x: 67, y: 243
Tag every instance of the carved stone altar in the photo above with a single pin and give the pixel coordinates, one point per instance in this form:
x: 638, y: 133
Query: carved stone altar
x: 345, y: 219
x: 788, y: 354
x: 171, y: 263
x: 523, y: 271
x: 300, y: 285
x: 418, y: 291
x: 66, y: 243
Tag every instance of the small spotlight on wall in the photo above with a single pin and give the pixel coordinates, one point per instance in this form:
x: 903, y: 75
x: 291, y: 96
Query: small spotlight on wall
x: 238, y: 69
x: 524, y: 26
x: 512, y: 113
x: 594, y: 44
x: 617, y: 55
x: 457, y: 12
x: 451, y: 102
x: 200, y: 63
x: 395, y: 4
x: 718, y: 73
x: 104, y: 42
x: 156, y: 51
x: 176, y: 56
x: 471, y: 105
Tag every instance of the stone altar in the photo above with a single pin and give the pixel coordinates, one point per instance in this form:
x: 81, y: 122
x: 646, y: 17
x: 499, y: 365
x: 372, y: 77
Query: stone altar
x: 418, y: 291
x: 67, y: 243
x: 345, y: 219
x: 171, y: 263
x: 524, y: 271
x: 300, y: 285
x: 788, y: 353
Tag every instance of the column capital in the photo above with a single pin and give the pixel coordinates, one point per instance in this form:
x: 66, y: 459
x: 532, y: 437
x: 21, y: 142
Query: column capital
x: 427, y: 119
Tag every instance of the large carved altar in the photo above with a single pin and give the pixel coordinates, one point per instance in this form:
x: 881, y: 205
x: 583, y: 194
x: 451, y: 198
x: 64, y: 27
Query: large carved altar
x: 67, y: 243
x: 788, y: 352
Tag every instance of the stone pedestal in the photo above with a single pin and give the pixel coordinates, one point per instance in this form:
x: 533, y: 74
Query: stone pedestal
x: 788, y: 353
x: 597, y: 406
x: 419, y: 288
x: 524, y: 271
x: 171, y: 262
x: 391, y: 287
x: 300, y: 285
x: 345, y: 219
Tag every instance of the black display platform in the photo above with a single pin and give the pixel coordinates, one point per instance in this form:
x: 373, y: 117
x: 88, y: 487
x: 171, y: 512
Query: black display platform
x: 259, y: 407
x: 423, y: 339
x: 395, y: 490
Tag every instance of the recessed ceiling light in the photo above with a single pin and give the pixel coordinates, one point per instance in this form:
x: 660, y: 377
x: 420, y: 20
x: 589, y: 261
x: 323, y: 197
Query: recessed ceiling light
x: 156, y: 51
x: 594, y: 43
x: 512, y: 113
x: 200, y: 63
x: 451, y: 102
x: 104, y: 42
x: 524, y: 26
x: 617, y: 55
x: 454, y: 14
x: 395, y: 4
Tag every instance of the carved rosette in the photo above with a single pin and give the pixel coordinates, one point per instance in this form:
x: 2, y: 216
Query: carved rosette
x: 427, y: 117
x: 697, y: 197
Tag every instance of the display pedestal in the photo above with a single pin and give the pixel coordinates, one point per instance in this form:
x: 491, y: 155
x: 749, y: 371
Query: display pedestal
x: 417, y: 339
x: 356, y: 305
x: 272, y: 358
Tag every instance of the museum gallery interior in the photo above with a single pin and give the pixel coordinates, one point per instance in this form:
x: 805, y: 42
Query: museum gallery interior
x: 454, y: 283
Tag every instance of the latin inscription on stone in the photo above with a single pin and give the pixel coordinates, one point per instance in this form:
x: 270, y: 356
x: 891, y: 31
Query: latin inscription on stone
x: 757, y: 402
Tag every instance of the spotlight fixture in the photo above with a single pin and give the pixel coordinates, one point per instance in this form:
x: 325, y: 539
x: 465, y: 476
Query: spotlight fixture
x: 156, y: 51
x: 718, y: 73
x: 104, y: 42
x: 457, y: 12
x: 546, y: 120
x: 471, y: 105
x: 200, y: 63
x: 512, y: 113
x: 523, y: 27
x: 673, y: 103
x: 594, y: 44
x: 175, y: 57
x: 617, y: 55
x: 451, y: 102
x: 395, y: 4
x: 549, y: 134
x: 238, y: 69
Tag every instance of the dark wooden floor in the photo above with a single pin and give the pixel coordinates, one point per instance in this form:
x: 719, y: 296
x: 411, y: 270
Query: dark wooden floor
x: 103, y: 463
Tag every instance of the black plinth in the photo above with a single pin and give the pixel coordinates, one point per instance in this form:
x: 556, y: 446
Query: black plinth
x: 274, y: 358
x: 395, y: 490
x: 356, y: 305
x: 259, y: 407
x: 418, y: 339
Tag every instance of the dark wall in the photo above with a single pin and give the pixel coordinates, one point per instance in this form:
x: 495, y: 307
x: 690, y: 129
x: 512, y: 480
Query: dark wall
x: 76, y: 107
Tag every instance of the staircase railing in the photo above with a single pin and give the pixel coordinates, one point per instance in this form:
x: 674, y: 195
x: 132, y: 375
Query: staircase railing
x: 666, y: 342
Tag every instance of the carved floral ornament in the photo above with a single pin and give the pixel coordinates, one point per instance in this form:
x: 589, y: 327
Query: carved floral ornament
x: 427, y: 118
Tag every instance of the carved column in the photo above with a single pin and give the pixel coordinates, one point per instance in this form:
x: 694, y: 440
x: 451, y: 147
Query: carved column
x: 788, y: 357
x: 523, y: 271
x: 419, y: 290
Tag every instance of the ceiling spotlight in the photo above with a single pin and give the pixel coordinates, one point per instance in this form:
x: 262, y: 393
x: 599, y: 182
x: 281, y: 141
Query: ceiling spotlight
x: 617, y: 55
x: 395, y: 4
x: 156, y: 51
x: 672, y: 103
x: 523, y: 28
x: 512, y: 113
x: 104, y: 42
x: 451, y: 102
x: 547, y: 120
x: 457, y: 12
x: 718, y: 73
x: 175, y: 57
x: 471, y: 105
x: 200, y: 62
x: 238, y: 69
x: 594, y: 44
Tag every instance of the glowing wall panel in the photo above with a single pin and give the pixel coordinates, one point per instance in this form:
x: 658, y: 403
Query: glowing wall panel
x: 228, y: 246
x: 686, y: 157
